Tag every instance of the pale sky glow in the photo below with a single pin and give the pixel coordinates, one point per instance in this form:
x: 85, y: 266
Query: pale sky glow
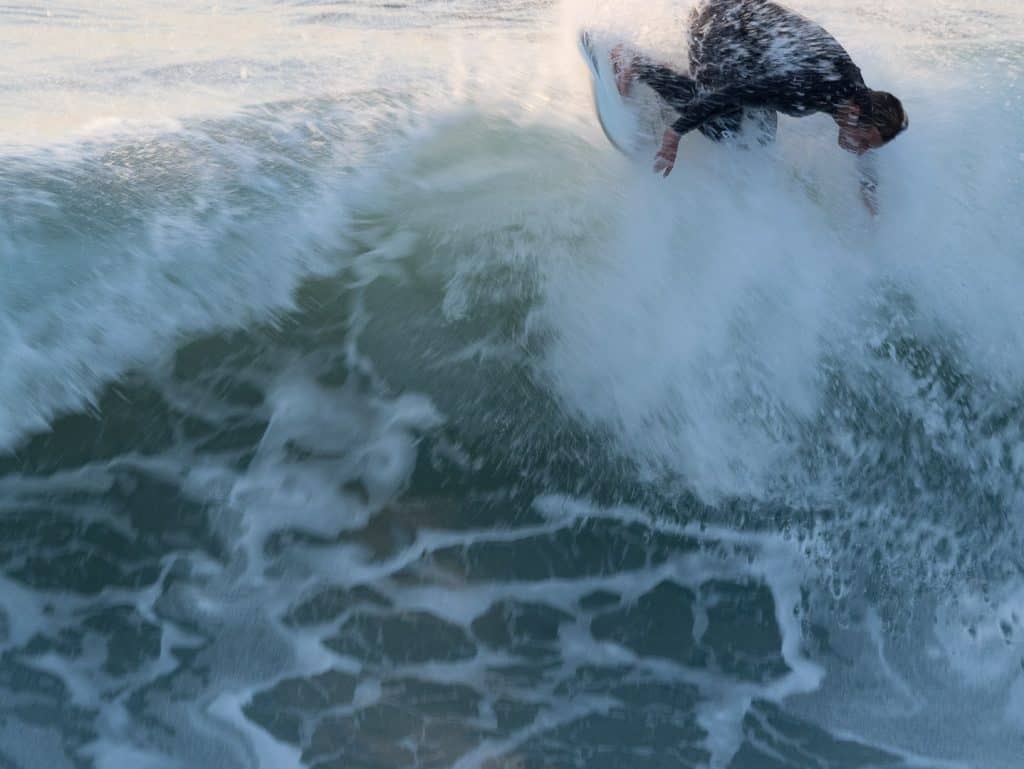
x: 64, y: 71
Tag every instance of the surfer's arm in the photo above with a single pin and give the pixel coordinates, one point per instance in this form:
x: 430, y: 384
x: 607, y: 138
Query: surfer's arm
x: 695, y: 113
x: 665, y: 160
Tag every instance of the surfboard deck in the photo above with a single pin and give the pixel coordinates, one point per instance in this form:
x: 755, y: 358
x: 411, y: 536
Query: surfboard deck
x: 633, y: 124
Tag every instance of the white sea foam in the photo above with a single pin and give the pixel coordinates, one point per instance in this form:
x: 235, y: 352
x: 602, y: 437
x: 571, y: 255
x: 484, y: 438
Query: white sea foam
x: 92, y: 288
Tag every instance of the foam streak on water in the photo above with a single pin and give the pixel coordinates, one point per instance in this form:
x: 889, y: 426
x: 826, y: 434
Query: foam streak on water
x: 360, y: 407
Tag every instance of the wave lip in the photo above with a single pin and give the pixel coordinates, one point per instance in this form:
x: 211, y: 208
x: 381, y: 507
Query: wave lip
x: 118, y: 247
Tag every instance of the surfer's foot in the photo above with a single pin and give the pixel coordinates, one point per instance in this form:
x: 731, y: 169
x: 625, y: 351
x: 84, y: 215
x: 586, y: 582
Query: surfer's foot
x: 623, y: 63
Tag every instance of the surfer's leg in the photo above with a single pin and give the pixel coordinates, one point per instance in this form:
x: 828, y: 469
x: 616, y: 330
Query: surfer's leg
x: 677, y: 90
x: 727, y: 126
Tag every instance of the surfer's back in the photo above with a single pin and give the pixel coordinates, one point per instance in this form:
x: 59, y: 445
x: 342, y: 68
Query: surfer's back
x: 761, y: 46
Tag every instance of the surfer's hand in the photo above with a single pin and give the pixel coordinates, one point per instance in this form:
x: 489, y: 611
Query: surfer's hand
x: 869, y: 194
x: 870, y: 204
x: 665, y: 160
x: 868, y: 182
x: 663, y: 164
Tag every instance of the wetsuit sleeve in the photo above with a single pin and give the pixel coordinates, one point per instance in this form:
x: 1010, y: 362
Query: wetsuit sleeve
x: 710, y: 105
x: 868, y: 172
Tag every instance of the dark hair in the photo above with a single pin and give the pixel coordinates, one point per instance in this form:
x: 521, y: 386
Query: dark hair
x: 884, y: 111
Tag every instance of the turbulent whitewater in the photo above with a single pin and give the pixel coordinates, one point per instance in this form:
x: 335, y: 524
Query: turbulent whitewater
x: 361, y: 407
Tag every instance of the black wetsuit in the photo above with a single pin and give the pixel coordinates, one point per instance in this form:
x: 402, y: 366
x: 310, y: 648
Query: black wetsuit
x: 754, y: 58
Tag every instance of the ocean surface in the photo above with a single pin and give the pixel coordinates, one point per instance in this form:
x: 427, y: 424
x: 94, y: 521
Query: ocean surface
x: 362, y: 408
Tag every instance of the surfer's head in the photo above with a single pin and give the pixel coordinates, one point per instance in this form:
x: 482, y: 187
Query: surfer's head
x: 870, y: 120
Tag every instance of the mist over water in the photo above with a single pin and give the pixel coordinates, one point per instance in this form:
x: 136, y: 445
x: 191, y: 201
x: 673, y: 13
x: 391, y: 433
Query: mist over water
x: 361, y: 407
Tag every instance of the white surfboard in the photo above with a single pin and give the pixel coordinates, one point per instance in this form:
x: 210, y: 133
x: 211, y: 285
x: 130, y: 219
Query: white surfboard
x: 633, y: 124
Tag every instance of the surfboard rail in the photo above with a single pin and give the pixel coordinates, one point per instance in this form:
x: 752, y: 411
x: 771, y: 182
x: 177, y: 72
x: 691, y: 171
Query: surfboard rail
x: 632, y: 125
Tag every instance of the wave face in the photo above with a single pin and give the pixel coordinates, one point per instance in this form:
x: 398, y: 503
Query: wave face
x: 361, y: 407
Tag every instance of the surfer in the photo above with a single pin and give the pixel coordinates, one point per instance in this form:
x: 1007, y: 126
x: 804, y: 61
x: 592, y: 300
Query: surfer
x: 750, y: 60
